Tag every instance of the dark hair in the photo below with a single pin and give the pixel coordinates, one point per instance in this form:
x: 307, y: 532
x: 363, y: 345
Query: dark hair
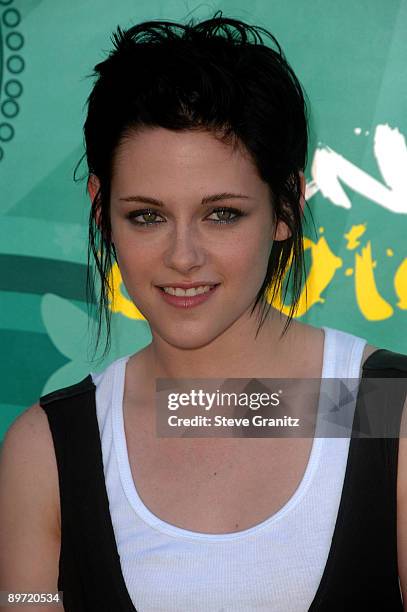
x: 215, y: 75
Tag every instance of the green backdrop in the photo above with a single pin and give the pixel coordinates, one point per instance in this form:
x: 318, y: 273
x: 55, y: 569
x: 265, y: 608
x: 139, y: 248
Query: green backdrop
x: 350, y: 57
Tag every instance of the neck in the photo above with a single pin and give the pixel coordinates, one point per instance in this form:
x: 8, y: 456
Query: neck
x: 236, y: 353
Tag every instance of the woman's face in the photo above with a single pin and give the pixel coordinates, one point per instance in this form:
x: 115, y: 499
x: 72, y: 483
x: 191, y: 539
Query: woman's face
x: 185, y: 241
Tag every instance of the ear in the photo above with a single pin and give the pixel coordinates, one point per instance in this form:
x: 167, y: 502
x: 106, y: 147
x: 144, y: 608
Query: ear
x: 282, y: 231
x: 93, y: 188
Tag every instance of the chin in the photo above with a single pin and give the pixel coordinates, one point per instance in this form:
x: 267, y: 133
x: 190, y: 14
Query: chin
x: 188, y: 338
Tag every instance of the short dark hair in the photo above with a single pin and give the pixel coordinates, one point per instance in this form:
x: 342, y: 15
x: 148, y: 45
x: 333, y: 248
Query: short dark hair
x: 216, y: 75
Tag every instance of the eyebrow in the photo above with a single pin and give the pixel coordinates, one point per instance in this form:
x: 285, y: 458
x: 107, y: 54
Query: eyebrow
x: 206, y: 200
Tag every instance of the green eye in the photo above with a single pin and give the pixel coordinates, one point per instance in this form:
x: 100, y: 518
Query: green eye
x: 223, y: 215
x: 148, y: 216
x: 227, y: 211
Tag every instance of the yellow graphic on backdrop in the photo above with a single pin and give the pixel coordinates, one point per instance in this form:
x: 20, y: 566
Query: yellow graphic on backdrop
x: 120, y: 303
x: 323, y: 267
x: 372, y: 305
x: 355, y: 232
x: 400, y: 284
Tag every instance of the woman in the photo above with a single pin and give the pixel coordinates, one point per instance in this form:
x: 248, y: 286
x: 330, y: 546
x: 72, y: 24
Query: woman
x: 196, y: 140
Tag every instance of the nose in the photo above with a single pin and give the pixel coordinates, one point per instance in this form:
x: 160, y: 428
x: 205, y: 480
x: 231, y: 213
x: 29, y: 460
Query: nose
x: 186, y: 250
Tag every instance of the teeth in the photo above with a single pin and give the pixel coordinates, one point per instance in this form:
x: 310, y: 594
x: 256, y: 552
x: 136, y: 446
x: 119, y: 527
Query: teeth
x: 192, y: 291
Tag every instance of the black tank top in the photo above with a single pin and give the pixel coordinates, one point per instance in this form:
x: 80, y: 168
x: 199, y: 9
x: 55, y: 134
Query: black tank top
x: 361, y: 571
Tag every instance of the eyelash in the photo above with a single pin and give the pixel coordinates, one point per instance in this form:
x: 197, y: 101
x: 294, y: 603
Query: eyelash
x: 237, y: 211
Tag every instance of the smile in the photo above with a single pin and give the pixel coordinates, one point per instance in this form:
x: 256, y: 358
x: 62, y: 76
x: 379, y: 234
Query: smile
x: 190, y: 291
x: 187, y: 298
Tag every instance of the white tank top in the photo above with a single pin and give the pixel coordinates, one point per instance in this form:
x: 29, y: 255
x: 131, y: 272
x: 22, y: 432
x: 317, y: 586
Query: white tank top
x: 275, y: 565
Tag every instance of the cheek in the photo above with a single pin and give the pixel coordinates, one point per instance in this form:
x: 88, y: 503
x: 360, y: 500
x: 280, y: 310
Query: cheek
x: 132, y: 262
x: 252, y: 258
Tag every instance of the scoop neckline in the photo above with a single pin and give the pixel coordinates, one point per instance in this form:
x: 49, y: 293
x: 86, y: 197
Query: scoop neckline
x: 130, y: 489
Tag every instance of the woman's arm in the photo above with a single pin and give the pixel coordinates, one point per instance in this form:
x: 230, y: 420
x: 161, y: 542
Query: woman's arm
x: 29, y: 509
x: 402, y: 506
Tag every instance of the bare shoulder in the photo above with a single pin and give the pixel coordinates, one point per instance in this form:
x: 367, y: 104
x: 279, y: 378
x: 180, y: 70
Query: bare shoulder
x: 29, y: 500
x: 28, y: 456
x: 28, y: 453
x: 32, y: 421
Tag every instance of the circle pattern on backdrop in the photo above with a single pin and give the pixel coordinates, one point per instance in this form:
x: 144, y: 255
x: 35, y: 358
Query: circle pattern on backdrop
x: 12, y: 64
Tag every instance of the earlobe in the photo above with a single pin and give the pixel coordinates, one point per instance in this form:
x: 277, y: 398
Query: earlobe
x: 93, y: 188
x: 282, y: 231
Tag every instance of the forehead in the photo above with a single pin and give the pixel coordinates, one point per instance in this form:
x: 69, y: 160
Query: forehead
x: 155, y: 157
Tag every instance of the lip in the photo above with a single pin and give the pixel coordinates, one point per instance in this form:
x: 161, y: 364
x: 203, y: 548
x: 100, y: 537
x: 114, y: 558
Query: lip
x: 188, y: 285
x: 186, y: 301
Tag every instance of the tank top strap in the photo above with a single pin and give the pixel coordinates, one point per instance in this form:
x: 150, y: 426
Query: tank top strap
x: 89, y: 565
x: 342, y: 354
